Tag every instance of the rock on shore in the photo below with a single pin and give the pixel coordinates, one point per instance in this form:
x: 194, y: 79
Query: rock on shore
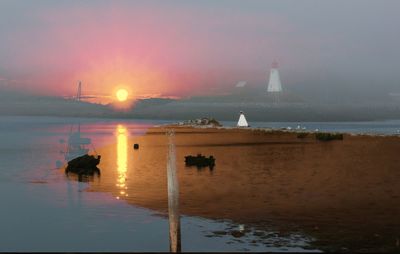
x: 84, y: 165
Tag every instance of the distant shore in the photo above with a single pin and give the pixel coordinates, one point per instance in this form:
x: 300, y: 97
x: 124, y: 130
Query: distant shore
x: 159, y: 108
x: 298, y: 132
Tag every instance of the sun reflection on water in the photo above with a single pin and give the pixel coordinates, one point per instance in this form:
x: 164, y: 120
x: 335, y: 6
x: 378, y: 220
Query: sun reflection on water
x: 122, y: 160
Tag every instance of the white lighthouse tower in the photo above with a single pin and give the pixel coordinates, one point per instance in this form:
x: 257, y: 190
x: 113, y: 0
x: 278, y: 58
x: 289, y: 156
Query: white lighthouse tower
x: 274, y: 84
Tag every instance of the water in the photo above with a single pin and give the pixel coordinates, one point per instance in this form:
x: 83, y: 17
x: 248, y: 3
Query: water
x: 42, y: 210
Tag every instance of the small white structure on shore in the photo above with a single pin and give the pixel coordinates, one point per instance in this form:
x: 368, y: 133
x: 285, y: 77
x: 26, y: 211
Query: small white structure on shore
x: 242, y: 120
x: 241, y: 84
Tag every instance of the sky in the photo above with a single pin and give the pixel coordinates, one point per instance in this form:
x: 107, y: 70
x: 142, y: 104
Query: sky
x: 181, y: 48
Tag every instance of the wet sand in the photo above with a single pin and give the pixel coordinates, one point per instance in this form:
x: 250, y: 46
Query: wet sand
x: 345, y: 193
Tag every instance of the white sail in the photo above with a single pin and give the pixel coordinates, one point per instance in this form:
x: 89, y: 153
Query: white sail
x: 242, y: 121
x: 274, y: 84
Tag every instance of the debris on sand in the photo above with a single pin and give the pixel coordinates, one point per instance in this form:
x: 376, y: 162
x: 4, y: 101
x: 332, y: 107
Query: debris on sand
x: 84, y: 165
x: 328, y: 136
x: 237, y: 233
x: 200, y: 161
x: 205, y: 121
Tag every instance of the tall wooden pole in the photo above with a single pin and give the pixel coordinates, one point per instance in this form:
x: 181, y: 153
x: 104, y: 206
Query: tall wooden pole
x: 173, y: 197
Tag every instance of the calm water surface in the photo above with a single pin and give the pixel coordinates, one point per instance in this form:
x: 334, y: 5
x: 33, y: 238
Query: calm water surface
x: 43, y: 210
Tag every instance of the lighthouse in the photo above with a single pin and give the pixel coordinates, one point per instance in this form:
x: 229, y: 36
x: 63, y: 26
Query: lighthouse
x: 274, y: 84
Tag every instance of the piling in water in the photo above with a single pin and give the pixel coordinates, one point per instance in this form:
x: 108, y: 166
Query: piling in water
x: 173, y: 197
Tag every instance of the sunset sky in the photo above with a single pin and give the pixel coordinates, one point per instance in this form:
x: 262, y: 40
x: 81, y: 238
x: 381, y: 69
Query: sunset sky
x: 184, y: 48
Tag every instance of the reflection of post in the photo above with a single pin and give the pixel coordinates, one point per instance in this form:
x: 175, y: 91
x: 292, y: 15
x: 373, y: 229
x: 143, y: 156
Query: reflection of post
x: 173, y: 197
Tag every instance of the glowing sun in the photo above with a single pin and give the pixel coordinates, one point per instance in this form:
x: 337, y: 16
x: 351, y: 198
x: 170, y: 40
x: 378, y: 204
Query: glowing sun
x: 122, y: 95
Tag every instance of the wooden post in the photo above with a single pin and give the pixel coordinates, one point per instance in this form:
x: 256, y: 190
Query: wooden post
x: 173, y: 197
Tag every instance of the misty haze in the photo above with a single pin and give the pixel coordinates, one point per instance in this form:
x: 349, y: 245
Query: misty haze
x: 184, y: 125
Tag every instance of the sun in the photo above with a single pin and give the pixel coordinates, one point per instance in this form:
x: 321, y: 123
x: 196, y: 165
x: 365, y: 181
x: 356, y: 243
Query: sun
x: 122, y: 95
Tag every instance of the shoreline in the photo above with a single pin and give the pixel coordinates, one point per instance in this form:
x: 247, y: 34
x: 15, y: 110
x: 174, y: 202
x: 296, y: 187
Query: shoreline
x: 271, y: 130
x: 266, y: 178
x: 388, y: 127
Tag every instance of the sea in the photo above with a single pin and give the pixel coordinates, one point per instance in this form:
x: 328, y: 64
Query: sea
x: 43, y: 210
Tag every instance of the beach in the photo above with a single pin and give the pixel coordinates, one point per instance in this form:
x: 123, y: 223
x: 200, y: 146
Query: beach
x: 345, y: 193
